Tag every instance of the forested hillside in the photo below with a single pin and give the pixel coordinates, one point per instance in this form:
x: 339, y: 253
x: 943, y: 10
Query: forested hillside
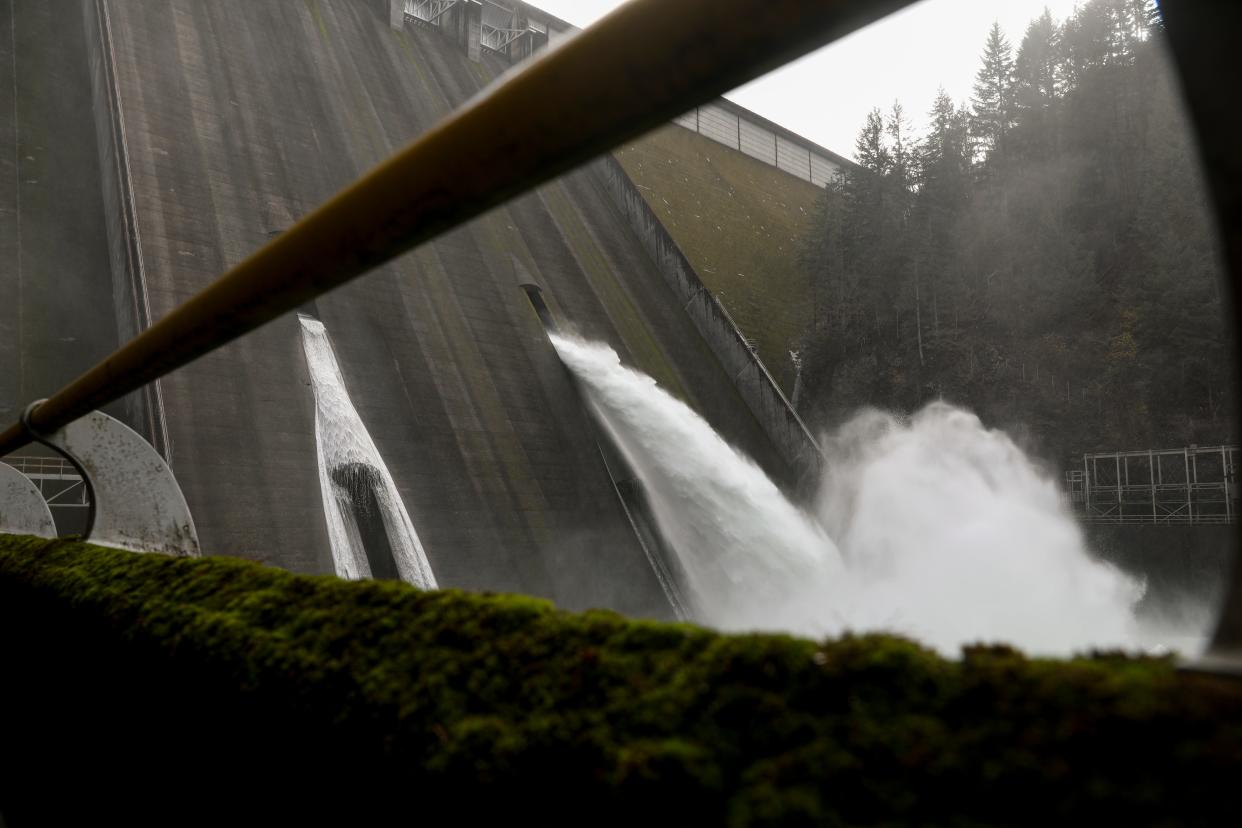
x: 1043, y: 253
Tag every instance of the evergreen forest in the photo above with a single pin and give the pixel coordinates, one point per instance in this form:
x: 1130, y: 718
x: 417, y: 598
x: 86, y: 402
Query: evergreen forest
x: 1043, y: 253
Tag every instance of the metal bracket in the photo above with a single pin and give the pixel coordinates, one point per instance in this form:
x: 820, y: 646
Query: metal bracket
x: 136, y: 503
x: 22, y: 508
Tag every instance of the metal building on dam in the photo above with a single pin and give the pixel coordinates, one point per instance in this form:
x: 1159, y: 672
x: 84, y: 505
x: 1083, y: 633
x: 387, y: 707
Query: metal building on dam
x: 154, y: 146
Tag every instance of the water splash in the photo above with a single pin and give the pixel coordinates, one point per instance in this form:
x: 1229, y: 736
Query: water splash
x: 355, y: 482
x: 953, y: 534
x: 936, y: 528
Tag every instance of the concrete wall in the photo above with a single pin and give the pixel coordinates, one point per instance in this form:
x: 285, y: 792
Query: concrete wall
x: 740, y: 129
x: 144, y: 409
x: 56, y: 316
x: 1185, y: 568
x: 238, y: 117
x: 712, y: 321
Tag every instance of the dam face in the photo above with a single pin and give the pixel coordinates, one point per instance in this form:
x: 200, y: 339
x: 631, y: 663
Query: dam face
x: 56, y: 301
x: 154, y: 146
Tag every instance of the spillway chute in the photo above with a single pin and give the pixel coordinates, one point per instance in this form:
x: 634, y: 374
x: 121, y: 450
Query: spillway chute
x: 369, y: 530
x: 629, y: 490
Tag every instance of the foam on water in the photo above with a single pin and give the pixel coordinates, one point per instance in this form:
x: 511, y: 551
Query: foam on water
x: 935, y: 527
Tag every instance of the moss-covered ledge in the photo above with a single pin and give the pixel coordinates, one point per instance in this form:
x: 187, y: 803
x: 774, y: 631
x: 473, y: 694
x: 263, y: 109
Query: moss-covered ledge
x: 133, y: 684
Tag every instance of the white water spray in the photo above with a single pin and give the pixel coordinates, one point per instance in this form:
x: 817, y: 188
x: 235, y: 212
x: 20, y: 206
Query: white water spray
x: 344, y: 444
x: 953, y: 535
x: 938, y: 528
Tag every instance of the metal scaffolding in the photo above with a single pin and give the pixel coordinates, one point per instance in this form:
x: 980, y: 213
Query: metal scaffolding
x: 428, y: 11
x: 56, y: 479
x: 1166, y: 486
x: 501, y: 25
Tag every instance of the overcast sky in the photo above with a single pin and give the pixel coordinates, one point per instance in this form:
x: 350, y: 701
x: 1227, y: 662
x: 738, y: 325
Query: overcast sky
x: 906, y: 56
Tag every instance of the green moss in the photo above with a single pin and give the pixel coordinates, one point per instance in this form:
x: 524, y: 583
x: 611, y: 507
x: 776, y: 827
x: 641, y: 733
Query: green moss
x: 738, y: 220
x: 313, y: 7
x: 374, y: 694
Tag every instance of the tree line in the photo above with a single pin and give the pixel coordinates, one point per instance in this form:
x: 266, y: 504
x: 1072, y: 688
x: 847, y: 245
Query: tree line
x: 1043, y: 253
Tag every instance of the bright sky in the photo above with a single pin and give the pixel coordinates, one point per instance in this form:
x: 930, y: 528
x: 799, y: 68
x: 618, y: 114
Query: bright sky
x: 826, y: 95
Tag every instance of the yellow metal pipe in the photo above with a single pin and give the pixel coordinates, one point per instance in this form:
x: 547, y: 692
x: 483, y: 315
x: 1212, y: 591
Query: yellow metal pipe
x: 639, y: 67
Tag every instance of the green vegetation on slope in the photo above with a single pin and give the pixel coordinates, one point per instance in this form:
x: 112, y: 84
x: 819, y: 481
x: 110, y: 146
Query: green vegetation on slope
x: 152, y: 676
x: 739, y: 222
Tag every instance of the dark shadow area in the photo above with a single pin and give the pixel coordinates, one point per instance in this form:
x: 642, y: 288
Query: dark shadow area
x: 361, y: 483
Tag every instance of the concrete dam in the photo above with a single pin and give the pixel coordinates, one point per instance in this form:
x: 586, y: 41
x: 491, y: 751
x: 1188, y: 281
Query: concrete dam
x: 151, y: 147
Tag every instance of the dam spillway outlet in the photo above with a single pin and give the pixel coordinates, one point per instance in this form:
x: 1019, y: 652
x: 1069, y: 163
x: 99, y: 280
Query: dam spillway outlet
x: 535, y: 294
x: 937, y: 528
x: 369, y: 529
x: 629, y: 489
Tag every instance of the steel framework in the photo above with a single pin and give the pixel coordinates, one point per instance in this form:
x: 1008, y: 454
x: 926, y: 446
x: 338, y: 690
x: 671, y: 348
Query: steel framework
x: 1189, y: 485
x: 500, y: 27
x: 428, y: 11
x: 57, y: 480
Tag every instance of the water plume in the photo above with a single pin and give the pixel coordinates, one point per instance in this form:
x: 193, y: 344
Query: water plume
x: 935, y: 527
x: 739, y: 541
x: 953, y: 534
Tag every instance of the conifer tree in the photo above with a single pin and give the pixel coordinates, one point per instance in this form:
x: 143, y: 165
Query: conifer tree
x: 943, y: 196
x: 1036, y: 77
x: 1073, y: 287
x: 901, y: 156
x: 992, y: 103
x: 1037, y: 86
x: 944, y: 153
x: 869, y: 149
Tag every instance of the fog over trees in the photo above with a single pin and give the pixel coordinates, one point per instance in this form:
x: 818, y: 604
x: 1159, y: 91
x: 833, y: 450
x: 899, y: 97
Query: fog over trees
x: 1043, y: 253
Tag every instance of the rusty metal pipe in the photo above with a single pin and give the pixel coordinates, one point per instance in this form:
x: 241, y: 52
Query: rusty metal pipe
x: 639, y: 67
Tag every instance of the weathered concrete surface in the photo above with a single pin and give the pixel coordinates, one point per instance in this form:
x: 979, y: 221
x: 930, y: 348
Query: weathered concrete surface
x: 739, y: 222
x: 56, y: 315
x: 239, y: 117
x: 130, y: 302
x: 754, y: 384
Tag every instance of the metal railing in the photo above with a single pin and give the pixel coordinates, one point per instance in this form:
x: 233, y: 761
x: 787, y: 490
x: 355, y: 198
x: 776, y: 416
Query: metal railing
x: 56, y: 479
x: 736, y: 127
x: 559, y: 110
x: 1192, y: 485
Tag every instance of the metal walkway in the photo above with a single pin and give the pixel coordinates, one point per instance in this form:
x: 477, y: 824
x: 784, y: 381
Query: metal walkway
x: 1192, y: 485
x: 57, y: 480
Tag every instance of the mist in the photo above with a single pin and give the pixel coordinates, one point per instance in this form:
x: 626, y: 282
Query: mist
x: 933, y: 527
x: 953, y: 534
